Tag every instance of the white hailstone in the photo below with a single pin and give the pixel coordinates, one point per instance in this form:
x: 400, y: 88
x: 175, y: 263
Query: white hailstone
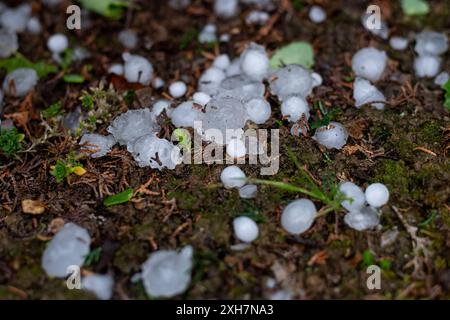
x: 234, y: 69
x: 427, y: 66
x: 245, y: 229
x: 293, y: 108
x: 177, y: 89
x: 167, y: 273
x: 16, y: 19
x: 377, y: 195
x: 257, y: 17
x: 185, y: 115
x: 369, y: 63
x: 233, y: 177
x: 291, y: 80
x: 137, y: 69
x: 398, y: 43
x: 34, y: 26
x: 100, y: 285
x: 381, y: 30
x: 208, y: 34
x: 179, y: 4
x: 331, y: 136
x: 222, y: 62
x: 68, y: 247
x: 225, y: 37
x: 8, y: 43
x: 159, y: 106
x: 365, y: 93
x: 283, y: 294
x: 116, y: 68
x: 317, y: 14
x: 131, y: 125
x: 19, y: 82
x: 96, y: 144
x: 248, y: 191
x: 258, y: 110
x: 236, y: 148
x: 242, y: 88
x: 254, y: 61
x: 80, y: 54
x: 226, y: 8
x: 355, y: 195
x: 210, y: 80
x: 57, y: 43
x: 363, y: 219
x: 442, y: 78
x: 431, y: 43
x: 128, y: 38
x: 298, y: 216
x: 157, y: 153
x: 158, y: 83
x: 317, y: 79
x: 201, y: 98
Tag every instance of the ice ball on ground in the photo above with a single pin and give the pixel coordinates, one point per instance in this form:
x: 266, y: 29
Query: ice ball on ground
x: 254, y: 61
x: 364, y: 93
x: 369, y: 63
x: 226, y: 8
x: 257, y: 17
x: 356, y: 198
x: 185, y: 115
x: 234, y: 68
x: 233, y: 177
x: 16, y: 19
x: 137, y: 69
x: 157, y: 153
x: 222, y: 62
x: 258, y: 110
x: 208, y: 34
x: 294, y: 108
x: 201, y: 98
x: 167, y: 273
x: 248, y: 192
x: 377, y: 195
x: 427, y: 66
x: 241, y: 87
x: 291, y: 80
x: 317, y: 14
x: 298, y: 216
x: 333, y: 135
x: 431, y: 43
x: 210, y: 80
x: 34, y: 26
x: 442, y: 78
x: 101, y: 285
x: 128, y: 38
x: 317, y: 79
x: 381, y: 30
x: 236, y: 148
x: 363, y: 219
x: 131, y: 125
x: 159, y: 106
x: 179, y: 4
x: 158, y: 83
x: 20, y: 82
x: 80, y: 54
x: 8, y: 43
x: 57, y: 43
x: 398, y: 43
x: 68, y: 247
x: 224, y: 37
x: 177, y: 89
x: 96, y: 144
x: 116, y: 68
x: 245, y: 229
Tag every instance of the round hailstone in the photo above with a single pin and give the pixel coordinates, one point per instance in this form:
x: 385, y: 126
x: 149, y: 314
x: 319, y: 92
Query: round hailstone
x: 234, y: 68
x: 128, y: 38
x: 291, y: 80
x: 254, y: 61
x: 242, y: 88
x: 369, y: 63
x: 355, y: 195
x: 363, y: 219
x: 210, y: 80
x: 245, y: 229
x: 185, y: 115
x: 101, y: 285
x: 222, y: 62
x: 158, y: 83
x: 317, y: 79
x: 258, y: 110
x: 201, y: 98
x: 167, y: 273
x: 208, y: 34
x: 16, y: 19
x: 377, y: 195
x: 257, y: 17
x: 248, y: 192
x: 57, y: 43
x: 427, y: 66
x: 137, y: 69
x: 442, y: 78
x: 365, y: 93
x: 236, y: 148
x: 294, y: 108
x: 19, y: 82
x: 116, y: 68
x: 159, y: 106
x: 232, y: 177
x: 68, y: 247
x: 34, y: 26
x: 177, y: 89
x: 179, y: 4
x: 96, y: 144
x: 331, y: 136
x: 317, y: 14
x: 431, y: 43
x: 398, y: 43
x: 298, y: 216
x: 225, y: 37
x: 9, y: 43
x: 226, y: 8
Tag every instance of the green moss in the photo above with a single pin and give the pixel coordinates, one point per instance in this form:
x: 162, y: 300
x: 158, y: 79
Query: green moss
x: 394, y: 174
x: 130, y: 256
x: 430, y: 132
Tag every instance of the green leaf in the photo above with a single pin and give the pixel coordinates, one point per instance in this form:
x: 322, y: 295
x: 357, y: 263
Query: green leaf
x: 446, y: 88
x: 367, y: 258
x: 52, y: 111
x: 73, y: 78
x: 415, y: 7
x: 112, y: 9
x: 10, y: 141
x: 93, y: 257
x: 119, y: 198
x: 60, y: 171
x: 42, y: 69
x: 295, y: 53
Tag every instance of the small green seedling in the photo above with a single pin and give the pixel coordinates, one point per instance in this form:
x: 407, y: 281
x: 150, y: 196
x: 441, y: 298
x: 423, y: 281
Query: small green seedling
x: 18, y: 61
x: 64, y: 168
x: 52, y: 111
x: 183, y: 137
x: 10, y: 141
x: 93, y: 257
x: 447, y: 95
x: 112, y: 9
x: 119, y: 198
